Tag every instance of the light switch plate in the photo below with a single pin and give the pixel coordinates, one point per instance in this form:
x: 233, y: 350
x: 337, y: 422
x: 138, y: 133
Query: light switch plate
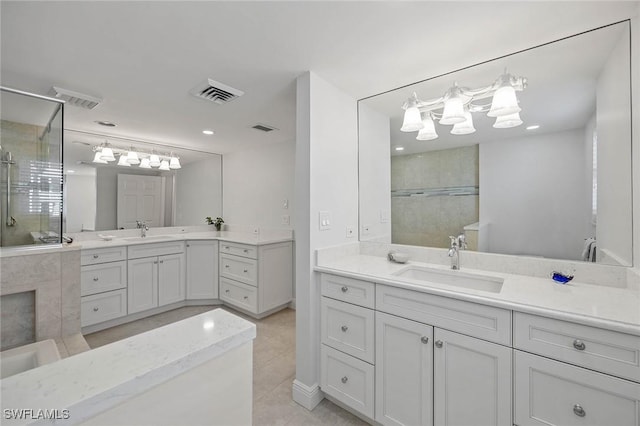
x: 324, y: 219
x: 285, y: 219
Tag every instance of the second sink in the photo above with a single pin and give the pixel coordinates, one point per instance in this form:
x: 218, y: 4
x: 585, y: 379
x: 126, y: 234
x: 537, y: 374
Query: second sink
x: 149, y: 238
x: 451, y: 278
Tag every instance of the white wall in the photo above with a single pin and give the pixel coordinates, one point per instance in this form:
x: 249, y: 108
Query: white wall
x: 635, y: 143
x: 198, y: 191
x: 80, y: 208
x: 614, y: 241
x: 326, y: 180
x: 256, y: 184
x: 532, y: 195
x: 375, y: 206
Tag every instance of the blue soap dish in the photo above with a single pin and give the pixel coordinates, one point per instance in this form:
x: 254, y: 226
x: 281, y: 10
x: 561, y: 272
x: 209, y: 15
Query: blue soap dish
x: 561, y: 278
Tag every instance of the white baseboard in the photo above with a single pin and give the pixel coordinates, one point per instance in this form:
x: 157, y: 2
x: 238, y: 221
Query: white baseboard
x: 292, y: 304
x: 307, y: 396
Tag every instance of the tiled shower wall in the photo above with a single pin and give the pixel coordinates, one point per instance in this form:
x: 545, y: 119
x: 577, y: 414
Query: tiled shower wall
x: 428, y: 221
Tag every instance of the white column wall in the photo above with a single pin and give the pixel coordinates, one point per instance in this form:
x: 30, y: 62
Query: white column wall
x: 326, y: 180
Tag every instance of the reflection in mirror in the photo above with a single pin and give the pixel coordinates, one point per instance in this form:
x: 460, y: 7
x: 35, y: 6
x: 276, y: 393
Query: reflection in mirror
x: 137, y: 182
x: 546, y: 173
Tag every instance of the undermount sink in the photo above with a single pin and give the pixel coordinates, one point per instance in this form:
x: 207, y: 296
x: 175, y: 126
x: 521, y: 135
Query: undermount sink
x: 451, y: 278
x: 149, y: 238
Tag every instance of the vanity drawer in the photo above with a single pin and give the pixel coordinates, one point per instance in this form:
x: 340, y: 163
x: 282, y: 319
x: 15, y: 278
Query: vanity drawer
x: 103, y: 307
x: 550, y: 392
x: 594, y: 348
x: 347, y: 379
x: 348, y: 328
x: 481, y: 321
x: 103, y: 277
x: 243, y: 250
x: 238, y: 294
x: 155, y: 249
x: 350, y: 290
x: 239, y: 269
x: 102, y: 255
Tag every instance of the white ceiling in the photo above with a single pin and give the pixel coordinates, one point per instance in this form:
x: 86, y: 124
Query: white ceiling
x: 142, y: 58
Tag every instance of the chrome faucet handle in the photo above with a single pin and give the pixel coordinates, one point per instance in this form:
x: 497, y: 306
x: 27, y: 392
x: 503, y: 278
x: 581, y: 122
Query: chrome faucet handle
x: 454, y: 241
x: 462, y: 241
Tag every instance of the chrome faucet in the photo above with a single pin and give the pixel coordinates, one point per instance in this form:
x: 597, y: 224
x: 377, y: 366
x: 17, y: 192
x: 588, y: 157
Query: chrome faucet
x: 457, y: 243
x: 143, y: 228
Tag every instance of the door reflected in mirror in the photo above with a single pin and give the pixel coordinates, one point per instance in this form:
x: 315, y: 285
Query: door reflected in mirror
x: 552, y: 179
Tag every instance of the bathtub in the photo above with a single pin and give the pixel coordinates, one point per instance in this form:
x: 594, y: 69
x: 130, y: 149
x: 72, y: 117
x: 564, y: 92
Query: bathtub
x: 23, y: 358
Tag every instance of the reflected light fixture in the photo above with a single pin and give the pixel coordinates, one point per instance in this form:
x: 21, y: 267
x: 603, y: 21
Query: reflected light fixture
x: 144, y: 163
x: 122, y: 161
x: 97, y: 158
x: 208, y: 132
x: 107, y: 153
x: 399, y: 148
x: 132, y: 157
x: 458, y: 104
x: 164, y: 165
x: 174, y: 163
x: 154, y: 160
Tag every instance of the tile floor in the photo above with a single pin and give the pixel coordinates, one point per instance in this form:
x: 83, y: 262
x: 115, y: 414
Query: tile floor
x: 274, y: 368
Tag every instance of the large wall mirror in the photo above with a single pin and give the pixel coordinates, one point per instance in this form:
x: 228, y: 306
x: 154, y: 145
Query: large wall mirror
x: 542, y: 168
x: 105, y: 195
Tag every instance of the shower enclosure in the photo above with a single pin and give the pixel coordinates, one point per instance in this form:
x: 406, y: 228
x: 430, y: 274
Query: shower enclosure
x: 30, y: 168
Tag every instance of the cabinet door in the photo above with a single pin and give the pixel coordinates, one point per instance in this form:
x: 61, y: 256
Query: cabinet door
x: 404, y: 375
x: 472, y: 381
x: 142, y: 287
x: 171, y: 277
x: 202, y: 270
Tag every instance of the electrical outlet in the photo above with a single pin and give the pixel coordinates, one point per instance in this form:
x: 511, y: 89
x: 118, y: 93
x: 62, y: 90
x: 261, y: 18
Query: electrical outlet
x: 285, y: 219
x: 256, y: 231
x: 366, y: 229
x: 350, y: 233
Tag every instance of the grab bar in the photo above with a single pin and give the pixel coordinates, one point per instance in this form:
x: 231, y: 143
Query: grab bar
x: 11, y: 221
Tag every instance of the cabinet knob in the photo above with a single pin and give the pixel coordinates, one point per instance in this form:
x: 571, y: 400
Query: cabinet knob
x: 344, y: 288
x: 579, y: 411
x: 226, y: 266
x: 579, y: 345
x: 246, y: 297
x: 226, y: 291
x: 95, y: 256
x: 344, y: 328
x: 345, y: 379
x: 95, y: 309
x: 245, y: 271
x: 96, y: 278
x: 438, y: 343
x: 226, y: 247
x: 424, y: 339
x: 245, y: 250
x: 162, y: 261
x: 188, y: 245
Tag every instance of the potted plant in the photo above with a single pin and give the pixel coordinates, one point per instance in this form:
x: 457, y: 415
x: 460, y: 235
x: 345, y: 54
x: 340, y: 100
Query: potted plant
x: 217, y: 222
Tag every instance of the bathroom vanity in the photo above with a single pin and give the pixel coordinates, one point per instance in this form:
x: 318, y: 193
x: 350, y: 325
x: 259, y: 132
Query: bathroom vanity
x: 128, y: 278
x: 401, y: 349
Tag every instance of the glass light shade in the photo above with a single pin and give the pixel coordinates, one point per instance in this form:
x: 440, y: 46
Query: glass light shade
x: 504, y: 102
x: 154, y: 160
x: 428, y: 132
x: 144, y: 164
x: 97, y: 158
x: 453, y: 111
x: 164, y: 165
x: 122, y: 161
x: 132, y: 157
x: 507, y: 121
x: 464, y: 128
x: 412, y: 120
x: 174, y: 163
x: 107, y: 154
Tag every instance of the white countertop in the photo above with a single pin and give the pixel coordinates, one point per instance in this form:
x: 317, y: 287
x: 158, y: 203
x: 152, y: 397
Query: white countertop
x: 93, y: 381
x: 600, y: 306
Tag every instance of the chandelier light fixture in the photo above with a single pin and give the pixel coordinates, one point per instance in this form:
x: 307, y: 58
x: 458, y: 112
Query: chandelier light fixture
x: 456, y: 107
x: 105, y: 153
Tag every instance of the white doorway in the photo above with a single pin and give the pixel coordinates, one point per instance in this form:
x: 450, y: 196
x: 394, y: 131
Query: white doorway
x: 140, y: 198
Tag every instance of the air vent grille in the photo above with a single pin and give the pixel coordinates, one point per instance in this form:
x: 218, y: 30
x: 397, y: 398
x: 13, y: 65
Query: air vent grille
x: 263, y: 127
x: 75, y: 98
x: 216, y: 92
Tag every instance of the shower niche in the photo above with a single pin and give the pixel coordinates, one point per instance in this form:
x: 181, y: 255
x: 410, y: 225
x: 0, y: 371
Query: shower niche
x: 30, y: 169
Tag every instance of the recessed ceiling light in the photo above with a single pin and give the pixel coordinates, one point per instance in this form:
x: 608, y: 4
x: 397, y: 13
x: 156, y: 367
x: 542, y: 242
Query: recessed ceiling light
x: 399, y: 148
x: 533, y: 127
x: 105, y: 123
x: 208, y: 132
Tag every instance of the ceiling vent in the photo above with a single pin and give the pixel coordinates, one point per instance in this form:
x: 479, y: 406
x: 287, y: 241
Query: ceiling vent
x: 215, y: 91
x: 263, y: 127
x: 74, y: 98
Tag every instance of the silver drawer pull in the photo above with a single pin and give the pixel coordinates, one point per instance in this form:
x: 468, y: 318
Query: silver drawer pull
x: 226, y: 291
x: 344, y: 289
x: 245, y: 250
x: 438, y: 343
x: 96, y: 309
x: 226, y: 266
x: 579, y: 345
x: 162, y: 261
x: 245, y: 271
x: 96, y: 278
x: 246, y: 297
x: 226, y: 247
x: 95, y: 256
x: 425, y: 339
x: 344, y: 328
x: 345, y: 379
x: 579, y: 411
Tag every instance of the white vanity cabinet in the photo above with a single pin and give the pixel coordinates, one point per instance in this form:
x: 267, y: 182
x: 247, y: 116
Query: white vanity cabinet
x: 156, y: 275
x: 202, y: 269
x: 256, y: 279
x: 103, y: 283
